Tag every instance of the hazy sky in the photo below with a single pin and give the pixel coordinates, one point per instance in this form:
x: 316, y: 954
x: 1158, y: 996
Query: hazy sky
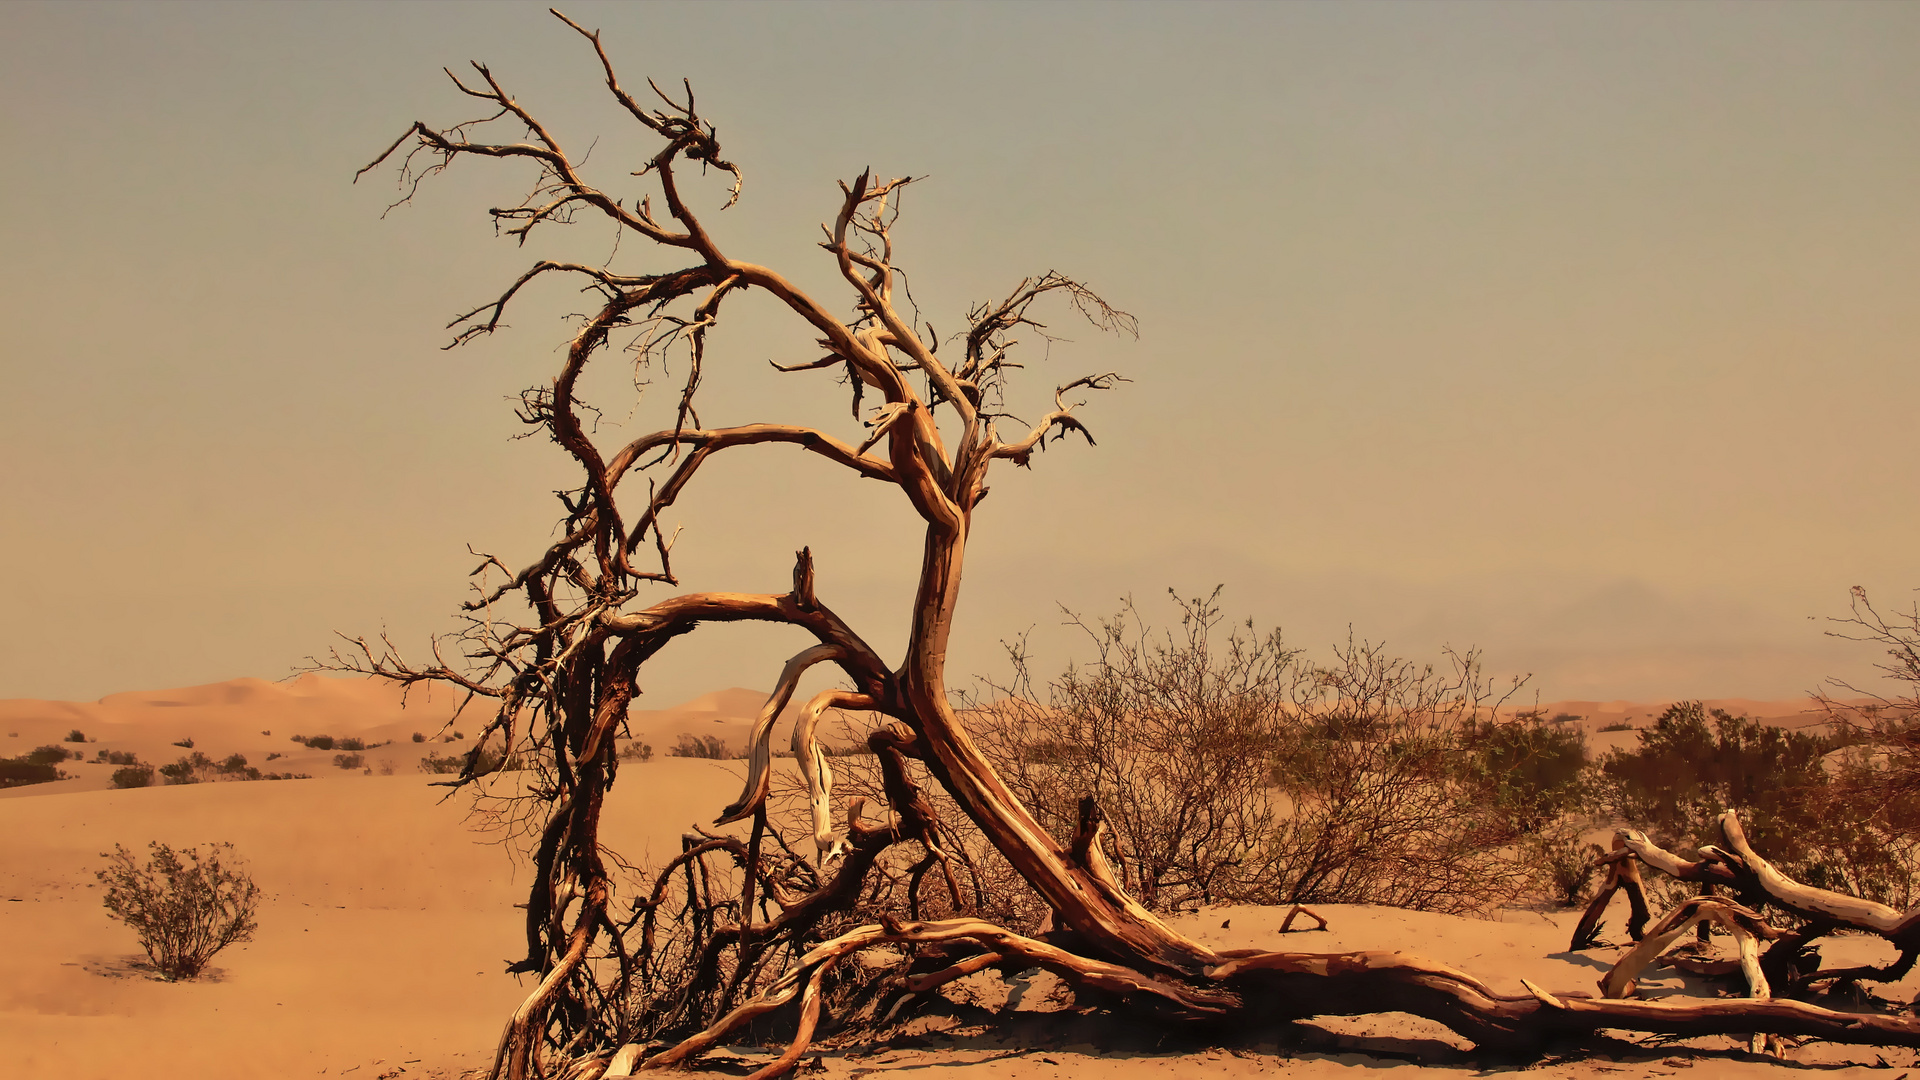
x: 1582, y: 333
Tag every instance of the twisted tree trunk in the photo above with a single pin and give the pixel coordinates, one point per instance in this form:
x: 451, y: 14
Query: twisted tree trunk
x: 564, y: 672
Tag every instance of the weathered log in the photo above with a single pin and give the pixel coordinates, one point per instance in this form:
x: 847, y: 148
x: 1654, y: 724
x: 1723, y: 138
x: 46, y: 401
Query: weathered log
x: 1623, y: 873
x: 1745, y: 925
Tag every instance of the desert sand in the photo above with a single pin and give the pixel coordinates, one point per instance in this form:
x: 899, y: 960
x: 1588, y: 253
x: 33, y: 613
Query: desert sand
x: 389, y: 920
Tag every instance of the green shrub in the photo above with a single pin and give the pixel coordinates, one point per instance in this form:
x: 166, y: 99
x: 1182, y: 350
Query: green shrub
x: 133, y: 776
x: 185, y: 910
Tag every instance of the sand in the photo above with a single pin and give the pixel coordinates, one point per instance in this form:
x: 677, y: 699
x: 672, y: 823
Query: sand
x: 388, y: 921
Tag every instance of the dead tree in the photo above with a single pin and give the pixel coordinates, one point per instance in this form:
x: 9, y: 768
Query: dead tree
x: 1735, y: 865
x: 563, y: 673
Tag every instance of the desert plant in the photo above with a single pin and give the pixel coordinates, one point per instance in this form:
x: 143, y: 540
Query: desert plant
x: 133, y: 776
x: 186, y: 906
x: 419, y: 737
x: 76, y: 736
x: 636, y: 751
x: 442, y: 764
x: 1622, y: 726
x: 34, y: 767
x: 348, y: 761
x: 186, y: 743
x: 118, y: 757
x: 349, y: 744
x: 701, y: 746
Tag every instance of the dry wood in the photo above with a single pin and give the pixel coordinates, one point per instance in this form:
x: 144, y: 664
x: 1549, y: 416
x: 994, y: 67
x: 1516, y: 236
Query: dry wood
x: 564, y: 673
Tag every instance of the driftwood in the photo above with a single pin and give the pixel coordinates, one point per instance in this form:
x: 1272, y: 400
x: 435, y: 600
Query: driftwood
x: 558, y: 646
x: 1738, y: 866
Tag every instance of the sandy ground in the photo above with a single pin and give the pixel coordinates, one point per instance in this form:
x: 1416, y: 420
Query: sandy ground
x: 388, y: 923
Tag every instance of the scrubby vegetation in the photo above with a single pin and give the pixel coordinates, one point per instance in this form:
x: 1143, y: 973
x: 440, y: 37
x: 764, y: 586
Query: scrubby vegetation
x: 186, y: 906
x: 197, y: 768
x: 37, y: 766
x: 701, y: 746
x: 133, y: 776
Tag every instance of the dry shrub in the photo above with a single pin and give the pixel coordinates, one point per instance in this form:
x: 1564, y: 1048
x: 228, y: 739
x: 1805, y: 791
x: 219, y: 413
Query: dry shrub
x: 184, y: 909
x: 702, y: 746
x: 1231, y: 770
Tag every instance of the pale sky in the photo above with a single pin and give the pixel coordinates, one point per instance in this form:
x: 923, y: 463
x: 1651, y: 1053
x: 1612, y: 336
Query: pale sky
x: 1585, y: 334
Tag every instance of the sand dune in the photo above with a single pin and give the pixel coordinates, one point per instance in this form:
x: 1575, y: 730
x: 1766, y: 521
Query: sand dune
x: 389, y: 920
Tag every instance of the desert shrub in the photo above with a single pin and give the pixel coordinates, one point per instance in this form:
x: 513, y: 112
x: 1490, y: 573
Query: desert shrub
x: 349, y: 744
x: 24, y: 770
x: 636, y: 751
x: 118, y: 757
x: 274, y: 755
x: 701, y: 746
x: 348, y: 761
x: 1694, y: 762
x: 197, y: 767
x: 50, y: 754
x: 186, y: 743
x: 184, y: 909
x: 1622, y: 726
x: 191, y: 769
x: 1529, y: 770
x: 1568, y: 868
x: 419, y: 737
x: 76, y: 736
x: 489, y: 759
x: 317, y: 742
x: 133, y: 776
x: 1230, y: 769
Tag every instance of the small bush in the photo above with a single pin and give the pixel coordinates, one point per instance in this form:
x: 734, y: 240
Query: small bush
x: 19, y: 772
x: 319, y: 742
x: 133, y: 776
x: 76, y: 736
x: 190, y: 769
x: 1622, y: 726
x: 636, y: 751
x: 118, y: 757
x: 275, y: 754
x: 186, y: 743
x: 702, y: 746
x: 350, y: 744
x: 419, y: 737
x: 348, y: 761
x: 47, y: 755
x: 184, y: 909
x: 442, y: 764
